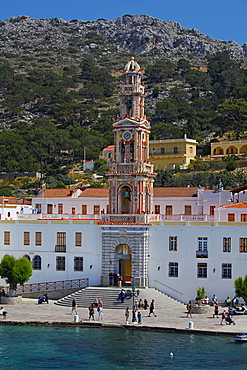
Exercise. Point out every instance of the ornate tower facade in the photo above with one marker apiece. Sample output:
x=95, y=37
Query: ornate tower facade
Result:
x=131, y=174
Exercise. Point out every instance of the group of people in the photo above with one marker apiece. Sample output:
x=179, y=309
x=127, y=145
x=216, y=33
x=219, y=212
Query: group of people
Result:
x=225, y=316
x=137, y=312
x=137, y=316
x=115, y=279
x=98, y=306
x=231, y=302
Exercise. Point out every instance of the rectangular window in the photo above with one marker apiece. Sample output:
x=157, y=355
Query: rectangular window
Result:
x=226, y=244
x=107, y=208
x=231, y=217
x=96, y=209
x=38, y=238
x=175, y=150
x=78, y=263
x=243, y=245
x=187, y=210
x=157, y=209
x=168, y=210
x=212, y=210
x=226, y=270
x=202, y=244
x=162, y=150
x=173, y=243
x=84, y=209
x=173, y=269
x=26, y=238
x=60, y=263
x=78, y=239
x=202, y=270
x=49, y=209
x=61, y=242
x=60, y=208
x=6, y=237
x=244, y=217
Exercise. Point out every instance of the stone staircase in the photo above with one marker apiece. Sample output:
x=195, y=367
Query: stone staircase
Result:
x=86, y=296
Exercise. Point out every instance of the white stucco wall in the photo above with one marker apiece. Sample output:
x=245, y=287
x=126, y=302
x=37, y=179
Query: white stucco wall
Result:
x=184, y=287
x=90, y=250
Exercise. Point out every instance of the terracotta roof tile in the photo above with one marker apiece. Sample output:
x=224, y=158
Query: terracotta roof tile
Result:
x=14, y=200
x=104, y=192
x=175, y=192
x=56, y=193
x=236, y=205
x=95, y=193
x=109, y=147
x=239, y=189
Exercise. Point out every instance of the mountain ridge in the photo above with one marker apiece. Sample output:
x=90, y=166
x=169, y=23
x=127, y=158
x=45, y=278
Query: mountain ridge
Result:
x=140, y=34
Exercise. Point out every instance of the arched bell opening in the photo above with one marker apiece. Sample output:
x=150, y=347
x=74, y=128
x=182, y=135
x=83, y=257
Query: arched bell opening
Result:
x=123, y=262
x=124, y=199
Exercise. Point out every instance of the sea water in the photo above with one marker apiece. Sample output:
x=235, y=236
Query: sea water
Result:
x=41, y=347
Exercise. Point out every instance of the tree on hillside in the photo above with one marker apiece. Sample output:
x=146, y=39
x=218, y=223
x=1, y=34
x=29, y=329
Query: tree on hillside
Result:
x=234, y=113
x=241, y=287
x=15, y=271
x=162, y=131
x=166, y=110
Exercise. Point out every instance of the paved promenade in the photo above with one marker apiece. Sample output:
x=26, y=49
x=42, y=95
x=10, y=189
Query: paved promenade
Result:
x=30, y=312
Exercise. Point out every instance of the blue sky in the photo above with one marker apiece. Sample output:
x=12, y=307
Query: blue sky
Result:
x=220, y=19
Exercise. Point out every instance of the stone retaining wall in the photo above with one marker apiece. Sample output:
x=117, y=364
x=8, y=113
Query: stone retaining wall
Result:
x=53, y=294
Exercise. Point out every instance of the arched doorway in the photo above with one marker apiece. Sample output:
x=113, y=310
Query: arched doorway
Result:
x=123, y=262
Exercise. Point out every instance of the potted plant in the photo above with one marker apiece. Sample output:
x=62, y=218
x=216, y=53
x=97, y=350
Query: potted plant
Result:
x=200, y=293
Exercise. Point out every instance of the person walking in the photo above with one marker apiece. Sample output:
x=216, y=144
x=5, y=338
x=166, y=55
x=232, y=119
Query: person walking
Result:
x=216, y=310
x=110, y=278
x=145, y=304
x=91, y=312
x=100, y=313
x=74, y=306
x=189, y=309
x=139, y=317
x=127, y=315
x=151, y=309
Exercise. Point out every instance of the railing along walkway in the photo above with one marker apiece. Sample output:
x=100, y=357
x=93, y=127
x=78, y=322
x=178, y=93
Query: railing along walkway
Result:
x=50, y=286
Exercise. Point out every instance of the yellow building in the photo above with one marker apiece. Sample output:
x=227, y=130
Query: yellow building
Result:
x=166, y=154
x=108, y=154
x=225, y=148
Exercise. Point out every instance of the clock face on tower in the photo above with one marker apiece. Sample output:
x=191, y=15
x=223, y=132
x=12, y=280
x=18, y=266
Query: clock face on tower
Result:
x=127, y=135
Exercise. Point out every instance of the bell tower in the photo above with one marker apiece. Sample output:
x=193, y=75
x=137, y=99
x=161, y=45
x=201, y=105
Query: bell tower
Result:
x=131, y=174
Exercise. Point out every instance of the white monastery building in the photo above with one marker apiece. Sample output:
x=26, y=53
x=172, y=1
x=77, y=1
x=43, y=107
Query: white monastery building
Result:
x=173, y=239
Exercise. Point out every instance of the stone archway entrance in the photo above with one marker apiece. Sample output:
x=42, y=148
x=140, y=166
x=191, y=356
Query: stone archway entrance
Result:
x=125, y=250
x=123, y=262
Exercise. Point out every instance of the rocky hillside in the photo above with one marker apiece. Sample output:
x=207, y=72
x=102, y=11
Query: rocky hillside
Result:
x=34, y=40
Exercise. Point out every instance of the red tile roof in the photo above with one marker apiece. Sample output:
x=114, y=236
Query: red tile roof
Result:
x=164, y=192
x=95, y=193
x=109, y=147
x=175, y=192
x=56, y=193
x=239, y=189
x=236, y=205
x=14, y=200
